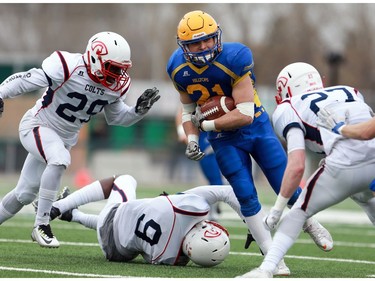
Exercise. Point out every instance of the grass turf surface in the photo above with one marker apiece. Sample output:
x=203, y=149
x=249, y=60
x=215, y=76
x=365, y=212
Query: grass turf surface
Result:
x=79, y=255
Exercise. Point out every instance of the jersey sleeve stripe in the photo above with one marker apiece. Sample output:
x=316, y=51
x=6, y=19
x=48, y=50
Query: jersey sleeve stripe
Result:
x=189, y=213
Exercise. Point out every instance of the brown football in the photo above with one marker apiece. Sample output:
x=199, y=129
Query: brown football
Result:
x=217, y=106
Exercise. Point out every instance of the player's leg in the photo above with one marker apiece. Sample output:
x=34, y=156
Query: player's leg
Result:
x=123, y=190
x=326, y=187
x=366, y=201
x=235, y=165
x=44, y=144
x=211, y=171
x=272, y=159
x=208, y=164
x=25, y=191
x=93, y=192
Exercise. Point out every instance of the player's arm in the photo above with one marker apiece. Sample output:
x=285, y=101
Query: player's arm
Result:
x=179, y=127
x=20, y=83
x=218, y=193
x=121, y=114
x=23, y=82
x=292, y=176
x=337, y=124
x=193, y=150
x=243, y=114
x=361, y=131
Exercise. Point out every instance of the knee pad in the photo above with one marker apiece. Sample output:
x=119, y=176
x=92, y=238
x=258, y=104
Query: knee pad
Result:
x=127, y=186
x=59, y=157
x=26, y=197
x=250, y=205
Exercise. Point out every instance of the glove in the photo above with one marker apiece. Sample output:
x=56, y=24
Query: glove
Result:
x=193, y=151
x=197, y=118
x=272, y=219
x=146, y=100
x=1, y=107
x=249, y=239
x=329, y=121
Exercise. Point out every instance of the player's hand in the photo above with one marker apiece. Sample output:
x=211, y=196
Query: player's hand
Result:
x=146, y=100
x=197, y=118
x=1, y=107
x=249, y=239
x=328, y=120
x=193, y=151
x=272, y=219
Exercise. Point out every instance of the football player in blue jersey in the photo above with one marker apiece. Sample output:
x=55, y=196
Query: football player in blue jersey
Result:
x=203, y=67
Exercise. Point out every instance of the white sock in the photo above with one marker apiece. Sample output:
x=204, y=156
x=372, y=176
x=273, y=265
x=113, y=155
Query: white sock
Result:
x=9, y=206
x=87, y=220
x=261, y=235
x=89, y=193
x=280, y=245
x=285, y=236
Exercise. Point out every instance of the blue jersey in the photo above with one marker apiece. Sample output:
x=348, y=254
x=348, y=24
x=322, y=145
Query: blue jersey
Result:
x=233, y=147
x=232, y=64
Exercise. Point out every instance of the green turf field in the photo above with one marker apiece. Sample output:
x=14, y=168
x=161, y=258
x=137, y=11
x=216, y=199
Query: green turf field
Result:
x=79, y=255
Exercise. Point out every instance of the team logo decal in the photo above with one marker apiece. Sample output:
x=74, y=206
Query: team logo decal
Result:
x=212, y=233
x=282, y=80
x=99, y=48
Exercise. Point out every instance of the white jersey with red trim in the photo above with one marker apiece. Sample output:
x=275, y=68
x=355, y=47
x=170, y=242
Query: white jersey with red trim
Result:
x=156, y=227
x=70, y=99
x=301, y=112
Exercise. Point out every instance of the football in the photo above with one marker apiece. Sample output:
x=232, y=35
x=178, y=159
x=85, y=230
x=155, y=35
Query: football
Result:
x=217, y=106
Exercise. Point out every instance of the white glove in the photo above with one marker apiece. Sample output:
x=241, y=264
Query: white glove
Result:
x=197, y=118
x=272, y=219
x=193, y=151
x=331, y=122
x=146, y=100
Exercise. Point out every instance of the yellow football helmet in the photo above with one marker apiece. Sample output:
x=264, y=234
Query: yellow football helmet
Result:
x=197, y=26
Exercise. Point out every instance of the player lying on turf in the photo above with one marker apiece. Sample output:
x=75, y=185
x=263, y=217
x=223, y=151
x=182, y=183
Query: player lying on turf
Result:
x=161, y=229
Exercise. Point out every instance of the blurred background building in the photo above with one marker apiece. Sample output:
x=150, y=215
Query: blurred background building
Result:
x=337, y=38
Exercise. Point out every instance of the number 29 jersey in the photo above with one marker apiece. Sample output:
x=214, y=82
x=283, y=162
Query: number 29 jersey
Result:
x=71, y=97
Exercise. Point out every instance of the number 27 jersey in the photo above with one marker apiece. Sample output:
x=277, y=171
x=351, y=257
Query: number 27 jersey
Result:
x=301, y=112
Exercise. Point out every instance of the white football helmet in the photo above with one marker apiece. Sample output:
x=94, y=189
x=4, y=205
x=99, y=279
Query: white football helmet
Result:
x=207, y=243
x=108, y=58
x=295, y=79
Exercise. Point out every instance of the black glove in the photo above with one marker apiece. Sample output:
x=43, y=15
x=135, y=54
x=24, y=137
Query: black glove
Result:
x=164, y=193
x=1, y=107
x=146, y=100
x=249, y=239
